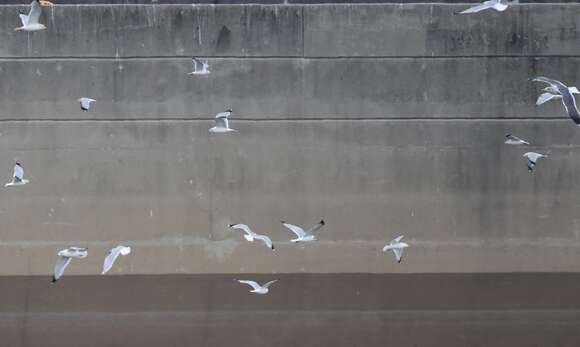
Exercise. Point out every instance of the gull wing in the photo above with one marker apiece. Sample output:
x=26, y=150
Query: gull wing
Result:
x=545, y=97
x=398, y=253
x=398, y=239
x=477, y=8
x=110, y=259
x=533, y=156
x=23, y=19
x=269, y=283
x=570, y=105
x=221, y=120
x=555, y=83
x=61, y=264
x=295, y=229
x=316, y=227
x=197, y=65
x=243, y=227
x=18, y=173
x=34, y=14
x=253, y=284
x=266, y=240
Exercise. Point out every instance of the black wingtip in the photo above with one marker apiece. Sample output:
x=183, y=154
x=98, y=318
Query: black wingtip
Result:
x=231, y=225
x=400, y=261
x=508, y=135
x=322, y=222
x=283, y=222
x=53, y=280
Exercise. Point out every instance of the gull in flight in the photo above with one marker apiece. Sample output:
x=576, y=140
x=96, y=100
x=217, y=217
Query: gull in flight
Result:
x=565, y=93
x=222, y=124
x=532, y=159
x=113, y=254
x=30, y=21
x=64, y=258
x=251, y=236
x=303, y=235
x=397, y=247
x=85, y=103
x=18, y=177
x=258, y=289
x=498, y=5
x=200, y=67
x=553, y=93
x=514, y=140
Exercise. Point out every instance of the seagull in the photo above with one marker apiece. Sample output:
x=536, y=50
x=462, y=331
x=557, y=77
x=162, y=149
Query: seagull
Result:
x=397, y=247
x=18, y=177
x=498, y=5
x=303, y=235
x=566, y=95
x=514, y=140
x=532, y=159
x=553, y=93
x=258, y=289
x=64, y=258
x=30, y=21
x=251, y=236
x=86, y=103
x=221, y=123
x=113, y=254
x=200, y=67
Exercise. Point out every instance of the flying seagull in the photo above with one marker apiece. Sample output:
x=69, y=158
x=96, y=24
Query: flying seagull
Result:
x=85, y=103
x=303, y=235
x=553, y=93
x=30, y=21
x=222, y=124
x=258, y=289
x=514, y=140
x=397, y=247
x=532, y=159
x=566, y=95
x=251, y=236
x=113, y=254
x=18, y=177
x=498, y=5
x=64, y=258
x=200, y=67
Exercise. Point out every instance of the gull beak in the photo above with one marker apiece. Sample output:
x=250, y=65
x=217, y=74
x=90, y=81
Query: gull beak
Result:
x=46, y=3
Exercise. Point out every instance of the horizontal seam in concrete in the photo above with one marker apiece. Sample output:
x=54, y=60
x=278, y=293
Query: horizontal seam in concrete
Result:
x=287, y=57
x=345, y=119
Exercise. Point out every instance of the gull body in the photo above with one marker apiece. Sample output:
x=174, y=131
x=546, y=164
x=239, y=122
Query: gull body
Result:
x=30, y=21
x=532, y=158
x=222, y=124
x=514, y=140
x=113, y=255
x=18, y=177
x=85, y=103
x=303, y=236
x=565, y=93
x=257, y=288
x=397, y=247
x=200, y=67
x=64, y=258
x=498, y=5
x=251, y=236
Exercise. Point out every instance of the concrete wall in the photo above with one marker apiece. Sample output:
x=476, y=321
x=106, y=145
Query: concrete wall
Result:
x=381, y=119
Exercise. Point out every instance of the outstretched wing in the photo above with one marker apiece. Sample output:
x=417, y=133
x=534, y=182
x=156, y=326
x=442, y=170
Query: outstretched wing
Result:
x=243, y=227
x=253, y=284
x=295, y=229
x=316, y=227
x=477, y=8
x=398, y=239
x=269, y=283
x=545, y=97
x=221, y=120
x=23, y=19
x=34, y=14
x=570, y=105
x=266, y=240
x=398, y=253
x=110, y=259
x=61, y=264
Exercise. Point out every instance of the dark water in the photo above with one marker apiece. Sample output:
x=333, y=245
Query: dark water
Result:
x=531, y=309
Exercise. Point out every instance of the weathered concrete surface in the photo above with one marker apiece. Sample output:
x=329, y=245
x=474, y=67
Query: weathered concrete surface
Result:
x=170, y=189
x=120, y=31
x=282, y=88
x=407, y=310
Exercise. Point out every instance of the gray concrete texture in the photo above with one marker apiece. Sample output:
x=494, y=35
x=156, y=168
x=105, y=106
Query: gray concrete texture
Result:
x=377, y=145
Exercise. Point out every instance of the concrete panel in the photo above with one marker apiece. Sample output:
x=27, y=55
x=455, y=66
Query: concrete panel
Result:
x=141, y=31
x=170, y=189
x=282, y=88
x=419, y=30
